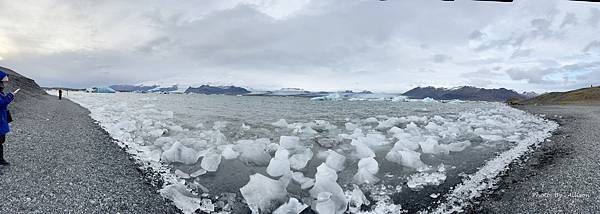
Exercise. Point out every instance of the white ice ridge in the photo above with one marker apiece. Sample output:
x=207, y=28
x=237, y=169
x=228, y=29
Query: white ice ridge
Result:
x=473, y=186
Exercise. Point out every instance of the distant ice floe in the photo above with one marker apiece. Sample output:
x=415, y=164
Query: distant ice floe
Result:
x=347, y=156
x=378, y=97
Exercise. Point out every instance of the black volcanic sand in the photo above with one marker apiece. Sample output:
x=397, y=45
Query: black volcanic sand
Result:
x=63, y=162
x=562, y=175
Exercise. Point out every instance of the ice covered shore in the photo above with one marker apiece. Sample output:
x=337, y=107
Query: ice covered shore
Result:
x=327, y=166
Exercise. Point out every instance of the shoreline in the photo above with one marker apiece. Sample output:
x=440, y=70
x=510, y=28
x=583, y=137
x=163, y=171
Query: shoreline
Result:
x=546, y=179
x=63, y=161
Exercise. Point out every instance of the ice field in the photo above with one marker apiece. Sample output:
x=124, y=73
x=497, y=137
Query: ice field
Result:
x=237, y=154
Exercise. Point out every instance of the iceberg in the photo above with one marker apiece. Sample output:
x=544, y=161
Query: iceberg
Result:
x=180, y=153
x=262, y=194
x=253, y=151
x=293, y=206
x=367, y=168
x=409, y=158
x=279, y=165
x=357, y=199
x=228, y=153
x=304, y=182
x=335, y=161
x=175, y=193
x=211, y=162
x=324, y=204
x=299, y=160
x=326, y=185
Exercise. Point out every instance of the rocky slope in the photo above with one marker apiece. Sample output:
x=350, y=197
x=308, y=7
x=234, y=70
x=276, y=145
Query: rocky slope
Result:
x=28, y=87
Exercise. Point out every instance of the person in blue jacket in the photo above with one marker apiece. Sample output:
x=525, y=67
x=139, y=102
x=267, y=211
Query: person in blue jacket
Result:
x=5, y=99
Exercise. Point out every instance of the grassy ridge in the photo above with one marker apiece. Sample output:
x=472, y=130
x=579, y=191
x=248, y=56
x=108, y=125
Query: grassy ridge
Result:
x=589, y=95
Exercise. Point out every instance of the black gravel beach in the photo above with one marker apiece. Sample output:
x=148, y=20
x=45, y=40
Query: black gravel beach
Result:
x=562, y=175
x=63, y=162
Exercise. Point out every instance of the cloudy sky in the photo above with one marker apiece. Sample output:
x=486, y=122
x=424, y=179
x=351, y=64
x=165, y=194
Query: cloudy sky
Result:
x=392, y=46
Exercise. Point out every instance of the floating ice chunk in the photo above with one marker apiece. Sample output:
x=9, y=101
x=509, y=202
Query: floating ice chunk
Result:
x=370, y=120
x=157, y=132
x=228, y=152
x=289, y=142
x=245, y=127
x=455, y=147
x=176, y=128
x=279, y=165
x=491, y=137
x=326, y=182
x=304, y=182
x=263, y=194
x=420, y=180
x=220, y=125
x=211, y=162
x=410, y=159
x=324, y=204
x=362, y=150
x=299, y=160
x=335, y=161
x=367, y=168
x=286, y=179
x=180, y=153
x=389, y=123
x=207, y=206
x=429, y=100
x=328, y=142
x=182, y=174
x=178, y=194
x=253, y=151
x=350, y=126
x=357, y=199
x=322, y=125
x=430, y=146
x=293, y=206
x=280, y=123
x=126, y=125
x=198, y=173
x=305, y=131
x=214, y=137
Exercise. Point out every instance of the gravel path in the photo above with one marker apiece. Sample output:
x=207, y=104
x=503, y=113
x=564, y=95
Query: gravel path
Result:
x=62, y=162
x=562, y=176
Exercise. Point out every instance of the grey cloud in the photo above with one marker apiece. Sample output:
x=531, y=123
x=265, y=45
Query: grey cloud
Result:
x=569, y=19
x=326, y=43
x=594, y=18
x=535, y=76
x=594, y=45
x=440, y=58
x=481, y=73
x=573, y=75
x=521, y=53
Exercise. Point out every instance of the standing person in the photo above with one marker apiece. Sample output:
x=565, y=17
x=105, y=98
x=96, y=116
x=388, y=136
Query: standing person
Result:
x=60, y=94
x=5, y=99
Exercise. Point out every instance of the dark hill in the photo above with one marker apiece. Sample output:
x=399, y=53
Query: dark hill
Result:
x=464, y=93
x=207, y=89
x=28, y=87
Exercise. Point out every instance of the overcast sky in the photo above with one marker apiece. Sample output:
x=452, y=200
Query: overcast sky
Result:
x=388, y=46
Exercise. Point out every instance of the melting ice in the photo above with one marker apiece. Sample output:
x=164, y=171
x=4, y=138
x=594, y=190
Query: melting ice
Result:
x=285, y=155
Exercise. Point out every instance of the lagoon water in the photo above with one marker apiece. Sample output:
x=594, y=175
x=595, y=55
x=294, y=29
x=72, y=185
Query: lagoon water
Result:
x=401, y=156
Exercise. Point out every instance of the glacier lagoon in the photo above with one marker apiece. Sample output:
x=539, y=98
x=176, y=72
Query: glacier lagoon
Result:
x=237, y=154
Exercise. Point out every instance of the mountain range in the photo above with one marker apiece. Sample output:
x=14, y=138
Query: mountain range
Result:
x=466, y=93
